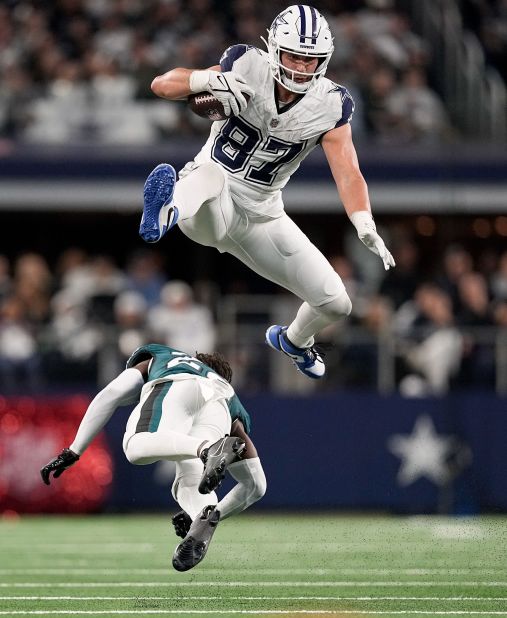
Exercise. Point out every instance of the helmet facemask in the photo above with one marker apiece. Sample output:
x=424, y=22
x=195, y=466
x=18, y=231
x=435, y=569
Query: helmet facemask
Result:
x=300, y=30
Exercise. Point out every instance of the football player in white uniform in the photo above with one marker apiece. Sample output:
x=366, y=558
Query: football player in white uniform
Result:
x=280, y=107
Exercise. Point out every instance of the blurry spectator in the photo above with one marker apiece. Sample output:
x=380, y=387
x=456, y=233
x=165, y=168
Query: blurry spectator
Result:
x=376, y=93
x=19, y=358
x=130, y=310
x=359, y=360
x=63, y=114
x=400, y=283
x=500, y=314
x=457, y=262
x=105, y=283
x=499, y=279
x=32, y=285
x=93, y=283
x=180, y=322
x=344, y=268
x=432, y=346
x=15, y=100
x=474, y=300
x=72, y=268
x=145, y=275
x=475, y=312
x=418, y=112
x=74, y=340
x=5, y=277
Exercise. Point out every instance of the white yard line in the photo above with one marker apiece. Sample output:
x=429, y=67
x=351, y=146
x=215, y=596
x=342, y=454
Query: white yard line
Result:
x=243, y=598
x=244, y=584
x=309, y=571
x=251, y=611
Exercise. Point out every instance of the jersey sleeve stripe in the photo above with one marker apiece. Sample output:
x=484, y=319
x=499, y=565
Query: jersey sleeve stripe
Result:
x=231, y=54
x=347, y=109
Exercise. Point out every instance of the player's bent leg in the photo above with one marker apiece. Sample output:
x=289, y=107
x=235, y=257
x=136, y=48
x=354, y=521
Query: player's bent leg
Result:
x=297, y=340
x=216, y=459
x=147, y=447
x=206, y=209
x=310, y=319
x=185, y=487
x=194, y=546
x=159, y=212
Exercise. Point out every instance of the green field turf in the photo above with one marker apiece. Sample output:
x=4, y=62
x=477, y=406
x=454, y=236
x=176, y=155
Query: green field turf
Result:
x=263, y=565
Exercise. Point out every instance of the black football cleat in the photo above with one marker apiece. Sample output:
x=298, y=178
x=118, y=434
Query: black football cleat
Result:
x=194, y=546
x=216, y=458
x=182, y=522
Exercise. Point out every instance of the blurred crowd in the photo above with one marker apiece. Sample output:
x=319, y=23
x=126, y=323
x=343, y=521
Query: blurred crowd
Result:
x=488, y=19
x=80, y=70
x=59, y=323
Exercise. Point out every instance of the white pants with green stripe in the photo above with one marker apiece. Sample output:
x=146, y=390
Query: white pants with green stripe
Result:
x=171, y=422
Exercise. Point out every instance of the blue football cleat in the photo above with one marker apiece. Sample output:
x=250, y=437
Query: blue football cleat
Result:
x=307, y=360
x=159, y=213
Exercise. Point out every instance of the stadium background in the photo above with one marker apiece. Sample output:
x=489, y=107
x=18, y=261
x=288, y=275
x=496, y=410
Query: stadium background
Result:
x=420, y=364
x=374, y=472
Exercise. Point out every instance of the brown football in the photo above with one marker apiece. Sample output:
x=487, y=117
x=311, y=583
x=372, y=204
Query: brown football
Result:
x=204, y=104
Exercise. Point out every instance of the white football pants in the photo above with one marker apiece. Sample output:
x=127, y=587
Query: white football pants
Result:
x=172, y=422
x=276, y=249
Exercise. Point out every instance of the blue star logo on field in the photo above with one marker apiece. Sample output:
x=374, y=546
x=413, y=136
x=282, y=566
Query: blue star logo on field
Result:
x=426, y=454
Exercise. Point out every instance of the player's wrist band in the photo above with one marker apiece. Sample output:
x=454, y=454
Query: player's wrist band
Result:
x=199, y=80
x=362, y=220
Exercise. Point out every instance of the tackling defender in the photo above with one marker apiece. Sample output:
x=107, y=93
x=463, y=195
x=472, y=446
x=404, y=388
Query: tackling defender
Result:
x=186, y=405
x=229, y=196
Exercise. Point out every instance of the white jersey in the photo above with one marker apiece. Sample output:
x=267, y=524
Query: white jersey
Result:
x=262, y=147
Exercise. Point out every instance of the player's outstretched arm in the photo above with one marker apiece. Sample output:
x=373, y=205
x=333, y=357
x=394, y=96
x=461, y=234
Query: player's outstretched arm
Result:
x=123, y=390
x=353, y=190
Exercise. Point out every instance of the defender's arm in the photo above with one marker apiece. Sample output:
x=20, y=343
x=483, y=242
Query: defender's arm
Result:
x=123, y=390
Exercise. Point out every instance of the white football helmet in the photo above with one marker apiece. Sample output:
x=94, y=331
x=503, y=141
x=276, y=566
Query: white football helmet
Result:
x=300, y=29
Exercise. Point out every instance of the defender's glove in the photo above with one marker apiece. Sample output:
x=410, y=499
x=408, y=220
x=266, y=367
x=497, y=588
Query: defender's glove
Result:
x=58, y=465
x=182, y=522
x=367, y=232
x=229, y=88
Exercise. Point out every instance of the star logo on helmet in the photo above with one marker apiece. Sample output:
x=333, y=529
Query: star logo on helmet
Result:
x=279, y=21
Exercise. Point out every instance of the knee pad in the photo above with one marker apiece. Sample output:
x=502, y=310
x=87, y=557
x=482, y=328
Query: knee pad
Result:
x=338, y=306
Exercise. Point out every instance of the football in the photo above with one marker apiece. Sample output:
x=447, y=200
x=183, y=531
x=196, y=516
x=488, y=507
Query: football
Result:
x=204, y=104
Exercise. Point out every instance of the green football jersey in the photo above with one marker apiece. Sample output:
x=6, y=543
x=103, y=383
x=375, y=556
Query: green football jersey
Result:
x=167, y=362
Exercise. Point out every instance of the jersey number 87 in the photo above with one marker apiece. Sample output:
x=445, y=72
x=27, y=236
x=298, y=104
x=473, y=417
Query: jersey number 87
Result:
x=238, y=141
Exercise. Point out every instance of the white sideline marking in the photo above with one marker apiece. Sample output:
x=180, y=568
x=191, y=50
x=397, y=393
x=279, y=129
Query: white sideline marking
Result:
x=251, y=611
x=244, y=584
x=243, y=598
x=309, y=571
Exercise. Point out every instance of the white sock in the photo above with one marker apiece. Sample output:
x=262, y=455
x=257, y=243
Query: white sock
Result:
x=188, y=497
x=250, y=488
